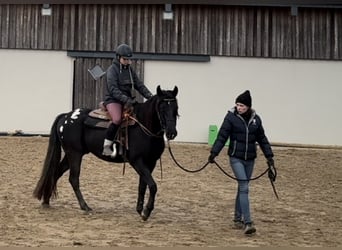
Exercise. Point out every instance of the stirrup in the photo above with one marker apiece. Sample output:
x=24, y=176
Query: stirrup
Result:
x=113, y=154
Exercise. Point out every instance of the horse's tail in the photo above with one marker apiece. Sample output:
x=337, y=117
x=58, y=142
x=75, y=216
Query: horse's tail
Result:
x=47, y=184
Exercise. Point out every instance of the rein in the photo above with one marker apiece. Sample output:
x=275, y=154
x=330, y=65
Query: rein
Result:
x=223, y=171
x=146, y=130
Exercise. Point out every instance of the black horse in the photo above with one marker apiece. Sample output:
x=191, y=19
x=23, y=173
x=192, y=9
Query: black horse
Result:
x=154, y=118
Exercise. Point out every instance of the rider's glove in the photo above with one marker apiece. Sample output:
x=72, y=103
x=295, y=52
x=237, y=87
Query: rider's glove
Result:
x=131, y=102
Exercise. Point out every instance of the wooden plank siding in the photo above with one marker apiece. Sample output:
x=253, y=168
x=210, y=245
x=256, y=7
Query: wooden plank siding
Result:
x=315, y=33
x=87, y=92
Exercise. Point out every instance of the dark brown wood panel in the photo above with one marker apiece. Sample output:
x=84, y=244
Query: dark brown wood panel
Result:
x=88, y=93
x=218, y=30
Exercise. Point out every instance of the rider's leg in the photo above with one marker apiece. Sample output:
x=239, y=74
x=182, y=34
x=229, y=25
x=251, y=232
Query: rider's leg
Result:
x=109, y=139
x=115, y=111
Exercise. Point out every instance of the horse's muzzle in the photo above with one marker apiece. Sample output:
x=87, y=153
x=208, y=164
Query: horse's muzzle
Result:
x=170, y=135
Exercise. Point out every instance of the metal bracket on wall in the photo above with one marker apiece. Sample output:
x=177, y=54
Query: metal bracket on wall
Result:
x=96, y=72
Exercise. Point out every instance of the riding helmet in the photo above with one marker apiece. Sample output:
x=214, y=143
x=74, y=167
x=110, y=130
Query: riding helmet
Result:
x=123, y=50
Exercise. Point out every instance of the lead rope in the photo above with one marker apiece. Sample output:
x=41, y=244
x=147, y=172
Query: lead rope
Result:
x=161, y=169
x=225, y=173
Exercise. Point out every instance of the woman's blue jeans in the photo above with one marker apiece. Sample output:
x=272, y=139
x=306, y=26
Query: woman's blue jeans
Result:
x=243, y=171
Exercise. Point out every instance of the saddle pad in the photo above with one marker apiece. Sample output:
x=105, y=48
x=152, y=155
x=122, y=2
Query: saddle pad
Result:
x=100, y=114
x=96, y=122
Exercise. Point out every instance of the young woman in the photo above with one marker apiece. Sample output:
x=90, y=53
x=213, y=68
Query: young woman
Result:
x=244, y=128
x=121, y=81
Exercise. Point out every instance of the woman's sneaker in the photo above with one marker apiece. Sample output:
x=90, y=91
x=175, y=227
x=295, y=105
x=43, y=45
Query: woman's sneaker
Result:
x=249, y=229
x=238, y=224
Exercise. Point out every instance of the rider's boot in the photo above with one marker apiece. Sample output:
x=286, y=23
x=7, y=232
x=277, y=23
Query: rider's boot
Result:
x=109, y=148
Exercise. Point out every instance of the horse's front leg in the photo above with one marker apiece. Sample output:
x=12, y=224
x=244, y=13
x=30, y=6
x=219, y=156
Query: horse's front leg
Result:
x=150, y=204
x=145, y=179
x=141, y=195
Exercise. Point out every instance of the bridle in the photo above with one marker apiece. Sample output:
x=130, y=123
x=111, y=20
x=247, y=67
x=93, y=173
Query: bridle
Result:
x=148, y=132
x=160, y=117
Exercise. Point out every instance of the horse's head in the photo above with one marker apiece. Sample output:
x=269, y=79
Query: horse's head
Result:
x=168, y=111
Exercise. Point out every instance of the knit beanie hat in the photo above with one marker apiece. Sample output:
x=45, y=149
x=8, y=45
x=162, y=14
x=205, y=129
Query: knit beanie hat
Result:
x=245, y=98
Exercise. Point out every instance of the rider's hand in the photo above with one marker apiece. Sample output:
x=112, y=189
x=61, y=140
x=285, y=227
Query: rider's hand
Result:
x=131, y=102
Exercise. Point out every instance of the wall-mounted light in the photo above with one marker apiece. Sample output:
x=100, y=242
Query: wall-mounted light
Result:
x=294, y=10
x=46, y=10
x=168, y=13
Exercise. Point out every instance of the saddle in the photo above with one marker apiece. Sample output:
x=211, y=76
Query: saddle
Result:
x=100, y=118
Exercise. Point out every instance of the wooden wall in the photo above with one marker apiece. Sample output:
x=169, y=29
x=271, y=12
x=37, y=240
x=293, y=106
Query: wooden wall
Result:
x=269, y=32
x=88, y=93
x=196, y=29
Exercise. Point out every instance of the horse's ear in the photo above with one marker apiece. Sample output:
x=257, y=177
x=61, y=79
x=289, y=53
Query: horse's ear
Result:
x=175, y=91
x=159, y=91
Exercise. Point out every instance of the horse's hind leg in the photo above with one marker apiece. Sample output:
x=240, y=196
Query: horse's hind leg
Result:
x=75, y=160
x=63, y=166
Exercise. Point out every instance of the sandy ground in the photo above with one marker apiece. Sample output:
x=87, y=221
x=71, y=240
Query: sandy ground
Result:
x=190, y=210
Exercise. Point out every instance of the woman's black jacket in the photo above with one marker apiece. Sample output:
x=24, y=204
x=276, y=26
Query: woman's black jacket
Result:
x=242, y=136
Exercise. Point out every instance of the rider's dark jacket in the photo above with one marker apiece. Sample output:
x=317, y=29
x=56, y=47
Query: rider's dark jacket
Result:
x=243, y=136
x=121, y=80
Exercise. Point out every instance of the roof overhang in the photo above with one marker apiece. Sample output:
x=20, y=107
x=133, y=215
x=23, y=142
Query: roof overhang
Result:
x=278, y=3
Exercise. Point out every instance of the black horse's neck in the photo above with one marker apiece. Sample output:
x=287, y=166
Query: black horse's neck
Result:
x=147, y=114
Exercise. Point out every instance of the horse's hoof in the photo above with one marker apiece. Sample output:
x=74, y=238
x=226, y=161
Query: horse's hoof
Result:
x=145, y=214
x=45, y=205
x=87, y=210
x=144, y=217
x=85, y=207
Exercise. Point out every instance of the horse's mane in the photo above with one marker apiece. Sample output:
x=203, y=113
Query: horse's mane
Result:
x=146, y=111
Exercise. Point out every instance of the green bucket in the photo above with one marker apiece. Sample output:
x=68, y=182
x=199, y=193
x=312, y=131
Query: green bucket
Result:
x=213, y=131
x=212, y=134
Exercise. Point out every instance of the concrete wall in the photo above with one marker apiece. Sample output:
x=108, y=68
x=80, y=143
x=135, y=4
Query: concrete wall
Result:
x=298, y=100
x=35, y=86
